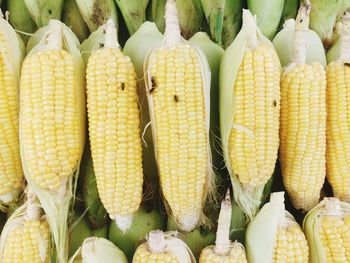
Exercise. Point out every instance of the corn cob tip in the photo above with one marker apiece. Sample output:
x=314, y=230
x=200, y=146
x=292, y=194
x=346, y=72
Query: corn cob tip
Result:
x=188, y=222
x=172, y=28
x=111, y=40
x=123, y=222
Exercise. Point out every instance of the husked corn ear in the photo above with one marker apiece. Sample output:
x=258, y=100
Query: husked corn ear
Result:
x=26, y=235
x=180, y=124
x=327, y=228
x=253, y=141
x=114, y=129
x=335, y=237
x=144, y=255
x=236, y=255
x=50, y=124
x=338, y=129
x=290, y=245
x=28, y=243
x=303, y=133
x=11, y=176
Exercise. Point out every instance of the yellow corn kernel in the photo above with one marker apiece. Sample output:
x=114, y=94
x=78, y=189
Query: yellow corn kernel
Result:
x=28, y=242
x=254, y=140
x=114, y=130
x=181, y=137
x=50, y=118
x=11, y=176
x=303, y=133
x=290, y=245
x=338, y=129
x=235, y=255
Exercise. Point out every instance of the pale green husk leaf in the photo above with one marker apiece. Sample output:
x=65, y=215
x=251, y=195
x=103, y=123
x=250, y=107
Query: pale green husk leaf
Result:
x=96, y=12
x=262, y=230
x=72, y=18
x=56, y=204
x=98, y=250
x=290, y=10
x=284, y=45
x=134, y=13
x=149, y=36
x=312, y=224
x=20, y=18
x=268, y=15
x=230, y=62
x=213, y=53
x=42, y=11
x=190, y=16
x=92, y=43
x=224, y=18
x=323, y=16
x=155, y=13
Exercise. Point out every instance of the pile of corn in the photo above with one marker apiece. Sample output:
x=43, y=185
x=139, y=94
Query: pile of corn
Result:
x=175, y=131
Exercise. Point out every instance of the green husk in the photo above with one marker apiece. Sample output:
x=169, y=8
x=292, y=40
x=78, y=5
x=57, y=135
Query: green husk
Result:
x=98, y=250
x=290, y=10
x=78, y=231
x=262, y=230
x=145, y=220
x=213, y=53
x=133, y=12
x=323, y=16
x=224, y=18
x=190, y=16
x=56, y=204
x=149, y=36
x=13, y=54
x=96, y=12
x=155, y=13
x=312, y=223
x=248, y=200
x=268, y=15
x=284, y=45
x=197, y=239
x=72, y=18
x=20, y=18
x=42, y=11
x=96, y=213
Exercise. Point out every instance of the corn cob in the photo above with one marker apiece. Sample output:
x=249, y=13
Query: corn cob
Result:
x=303, y=123
x=114, y=125
x=98, y=250
x=249, y=113
x=338, y=117
x=275, y=236
x=163, y=247
x=26, y=236
x=327, y=228
x=11, y=56
x=224, y=250
x=178, y=91
x=52, y=124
